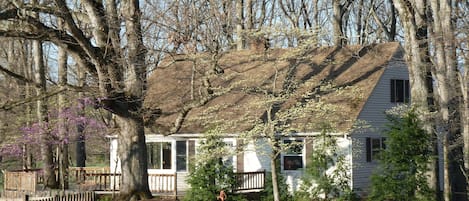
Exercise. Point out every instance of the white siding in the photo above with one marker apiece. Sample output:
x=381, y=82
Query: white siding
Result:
x=256, y=158
x=373, y=113
x=114, y=162
x=182, y=184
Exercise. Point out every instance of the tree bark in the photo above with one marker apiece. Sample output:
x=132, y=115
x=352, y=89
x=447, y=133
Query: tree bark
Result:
x=339, y=10
x=80, y=145
x=50, y=180
x=413, y=19
x=445, y=73
x=63, y=146
x=465, y=118
x=239, y=24
x=132, y=147
x=132, y=153
x=273, y=167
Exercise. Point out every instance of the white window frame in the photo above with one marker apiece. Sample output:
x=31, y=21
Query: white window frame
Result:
x=374, y=151
x=176, y=154
x=284, y=153
x=173, y=156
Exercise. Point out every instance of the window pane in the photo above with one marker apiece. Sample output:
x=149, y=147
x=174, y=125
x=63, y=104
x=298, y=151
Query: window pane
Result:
x=181, y=147
x=181, y=163
x=393, y=91
x=375, y=143
x=228, y=158
x=407, y=91
x=400, y=91
x=181, y=155
x=296, y=146
x=292, y=162
x=166, y=148
x=154, y=155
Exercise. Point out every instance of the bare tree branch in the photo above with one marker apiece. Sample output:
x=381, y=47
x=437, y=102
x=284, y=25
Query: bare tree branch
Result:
x=17, y=76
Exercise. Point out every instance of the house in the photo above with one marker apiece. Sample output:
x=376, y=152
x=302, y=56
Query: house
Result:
x=349, y=88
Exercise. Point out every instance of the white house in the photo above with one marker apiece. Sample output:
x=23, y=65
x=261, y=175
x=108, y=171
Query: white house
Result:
x=356, y=83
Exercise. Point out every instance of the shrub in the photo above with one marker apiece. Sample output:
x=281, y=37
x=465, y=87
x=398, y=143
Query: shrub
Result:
x=403, y=164
x=327, y=176
x=209, y=175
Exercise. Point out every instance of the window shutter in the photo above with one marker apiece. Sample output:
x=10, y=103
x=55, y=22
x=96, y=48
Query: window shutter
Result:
x=407, y=91
x=191, y=147
x=368, y=149
x=393, y=91
x=309, y=150
x=240, y=156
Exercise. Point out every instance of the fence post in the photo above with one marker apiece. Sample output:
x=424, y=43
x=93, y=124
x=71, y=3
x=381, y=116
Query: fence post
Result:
x=26, y=197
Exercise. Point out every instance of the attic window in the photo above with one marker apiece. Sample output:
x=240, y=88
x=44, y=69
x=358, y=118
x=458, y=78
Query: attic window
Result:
x=400, y=91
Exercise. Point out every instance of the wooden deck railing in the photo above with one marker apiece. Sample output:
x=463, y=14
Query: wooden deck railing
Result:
x=78, y=174
x=100, y=179
x=23, y=180
x=158, y=183
x=250, y=180
x=162, y=183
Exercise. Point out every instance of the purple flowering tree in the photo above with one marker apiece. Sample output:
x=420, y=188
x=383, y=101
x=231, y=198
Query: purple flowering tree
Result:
x=64, y=127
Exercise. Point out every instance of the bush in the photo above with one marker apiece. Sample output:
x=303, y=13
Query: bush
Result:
x=268, y=193
x=209, y=175
x=403, y=164
x=327, y=175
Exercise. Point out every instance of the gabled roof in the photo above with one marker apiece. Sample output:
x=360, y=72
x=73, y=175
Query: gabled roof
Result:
x=341, y=78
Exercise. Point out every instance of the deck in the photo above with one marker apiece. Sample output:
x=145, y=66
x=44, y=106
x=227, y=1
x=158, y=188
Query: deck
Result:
x=100, y=180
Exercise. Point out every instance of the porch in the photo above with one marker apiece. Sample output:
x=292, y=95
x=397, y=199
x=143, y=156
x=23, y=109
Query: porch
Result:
x=101, y=181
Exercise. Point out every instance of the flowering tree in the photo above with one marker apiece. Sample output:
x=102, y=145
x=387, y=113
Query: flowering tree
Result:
x=68, y=119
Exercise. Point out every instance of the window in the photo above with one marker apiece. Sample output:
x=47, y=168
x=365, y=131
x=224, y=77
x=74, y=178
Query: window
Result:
x=229, y=159
x=373, y=147
x=400, y=91
x=159, y=155
x=293, y=157
x=181, y=155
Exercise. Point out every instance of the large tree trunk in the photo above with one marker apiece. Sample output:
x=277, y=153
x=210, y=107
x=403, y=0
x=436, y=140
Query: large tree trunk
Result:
x=465, y=119
x=80, y=145
x=63, y=146
x=27, y=72
x=445, y=72
x=413, y=19
x=132, y=147
x=46, y=146
x=132, y=153
x=50, y=180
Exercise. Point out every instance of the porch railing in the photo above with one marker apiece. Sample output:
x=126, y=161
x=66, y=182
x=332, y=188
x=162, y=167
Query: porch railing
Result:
x=158, y=183
x=250, y=180
x=22, y=180
x=100, y=179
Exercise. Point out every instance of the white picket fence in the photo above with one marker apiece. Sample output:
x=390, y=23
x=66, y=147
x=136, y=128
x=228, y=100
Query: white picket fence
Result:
x=58, y=196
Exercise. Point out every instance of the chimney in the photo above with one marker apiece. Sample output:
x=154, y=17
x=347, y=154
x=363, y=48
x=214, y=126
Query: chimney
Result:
x=259, y=43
